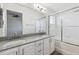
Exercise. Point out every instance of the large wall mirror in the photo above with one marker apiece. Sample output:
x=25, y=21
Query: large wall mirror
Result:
x=1, y=18
x=1, y=22
x=14, y=23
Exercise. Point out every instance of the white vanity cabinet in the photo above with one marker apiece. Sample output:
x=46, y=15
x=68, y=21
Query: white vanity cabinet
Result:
x=46, y=46
x=13, y=51
x=28, y=49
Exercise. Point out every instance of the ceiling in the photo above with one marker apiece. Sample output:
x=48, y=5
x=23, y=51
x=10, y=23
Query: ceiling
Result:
x=53, y=7
x=56, y=7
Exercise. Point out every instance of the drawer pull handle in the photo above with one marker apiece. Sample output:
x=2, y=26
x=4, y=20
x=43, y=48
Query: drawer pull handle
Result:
x=39, y=50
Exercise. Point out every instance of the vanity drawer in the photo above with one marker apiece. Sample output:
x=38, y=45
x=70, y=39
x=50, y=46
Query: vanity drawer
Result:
x=39, y=43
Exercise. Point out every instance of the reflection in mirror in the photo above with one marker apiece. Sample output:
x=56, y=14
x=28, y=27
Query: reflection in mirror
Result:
x=14, y=23
x=1, y=22
x=1, y=18
x=41, y=25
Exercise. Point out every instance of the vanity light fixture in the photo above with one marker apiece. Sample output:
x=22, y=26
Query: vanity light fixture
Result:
x=40, y=8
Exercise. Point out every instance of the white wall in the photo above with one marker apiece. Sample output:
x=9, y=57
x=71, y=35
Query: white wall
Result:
x=29, y=15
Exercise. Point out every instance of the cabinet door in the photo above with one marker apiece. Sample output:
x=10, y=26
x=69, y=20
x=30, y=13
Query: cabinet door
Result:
x=39, y=48
x=28, y=49
x=52, y=44
x=13, y=51
x=46, y=46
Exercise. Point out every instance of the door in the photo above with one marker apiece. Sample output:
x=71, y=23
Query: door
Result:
x=13, y=51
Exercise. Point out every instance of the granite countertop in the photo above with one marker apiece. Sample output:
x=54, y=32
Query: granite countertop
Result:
x=6, y=44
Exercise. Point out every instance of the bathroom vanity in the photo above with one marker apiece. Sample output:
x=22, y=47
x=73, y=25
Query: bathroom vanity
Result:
x=35, y=41
x=35, y=45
